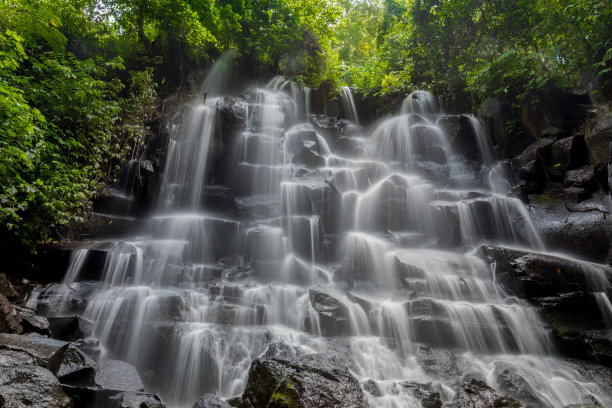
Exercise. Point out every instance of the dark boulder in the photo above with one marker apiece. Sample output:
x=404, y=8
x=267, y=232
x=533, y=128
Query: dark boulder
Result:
x=70, y=328
x=477, y=394
x=312, y=380
x=332, y=313
x=135, y=399
x=438, y=363
x=15, y=319
x=116, y=375
x=513, y=384
x=598, y=138
x=582, y=232
x=46, y=352
x=531, y=275
x=211, y=401
x=31, y=386
x=75, y=367
x=568, y=153
x=6, y=287
x=371, y=387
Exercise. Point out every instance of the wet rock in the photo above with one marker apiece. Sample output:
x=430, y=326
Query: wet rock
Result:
x=211, y=401
x=9, y=320
x=513, y=384
x=431, y=400
x=281, y=351
x=70, y=328
x=258, y=206
x=12, y=358
x=118, y=375
x=477, y=394
x=582, y=234
x=89, y=346
x=234, y=401
x=531, y=162
x=583, y=177
x=15, y=319
x=312, y=380
x=332, y=313
x=371, y=387
x=598, y=138
x=45, y=352
x=31, y=386
x=568, y=153
x=6, y=288
x=75, y=367
x=438, y=363
x=532, y=275
x=134, y=399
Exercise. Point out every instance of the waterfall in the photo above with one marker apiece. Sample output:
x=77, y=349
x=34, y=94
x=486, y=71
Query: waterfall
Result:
x=349, y=104
x=387, y=229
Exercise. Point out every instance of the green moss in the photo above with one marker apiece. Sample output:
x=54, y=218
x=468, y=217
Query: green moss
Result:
x=284, y=396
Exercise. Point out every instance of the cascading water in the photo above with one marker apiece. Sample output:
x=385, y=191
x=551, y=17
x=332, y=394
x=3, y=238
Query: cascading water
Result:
x=387, y=228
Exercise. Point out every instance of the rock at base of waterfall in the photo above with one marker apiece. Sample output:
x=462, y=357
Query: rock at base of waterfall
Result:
x=532, y=275
x=6, y=288
x=211, y=401
x=477, y=394
x=135, y=399
x=118, y=375
x=31, y=386
x=15, y=319
x=75, y=367
x=12, y=358
x=513, y=384
x=332, y=314
x=70, y=328
x=438, y=363
x=45, y=352
x=308, y=381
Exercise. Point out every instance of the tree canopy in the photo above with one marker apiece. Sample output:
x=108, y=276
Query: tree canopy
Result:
x=80, y=79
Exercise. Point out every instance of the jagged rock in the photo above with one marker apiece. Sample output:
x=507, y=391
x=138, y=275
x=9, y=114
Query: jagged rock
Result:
x=568, y=153
x=211, y=401
x=371, y=387
x=332, y=313
x=46, y=352
x=583, y=177
x=513, y=384
x=582, y=234
x=312, y=380
x=477, y=394
x=6, y=288
x=89, y=346
x=70, y=328
x=530, y=162
x=118, y=375
x=438, y=363
x=12, y=358
x=134, y=399
x=533, y=275
x=235, y=401
x=75, y=366
x=598, y=138
x=15, y=319
x=31, y=386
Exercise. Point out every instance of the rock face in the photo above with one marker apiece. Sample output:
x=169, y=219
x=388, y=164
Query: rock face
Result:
x=211, y=401
x=15, y=319
x=533, y=275
x=310, y=381
x=31, y=386
x=332, y=313
x=115, y=375
x=134, y=399
x=70, y=328
x=477, y=394
x=45, y=352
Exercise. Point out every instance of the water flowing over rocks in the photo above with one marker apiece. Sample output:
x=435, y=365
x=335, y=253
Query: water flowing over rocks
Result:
x=291, y=259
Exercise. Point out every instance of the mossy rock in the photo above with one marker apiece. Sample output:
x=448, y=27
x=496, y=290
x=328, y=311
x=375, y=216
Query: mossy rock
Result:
x=284, y=396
